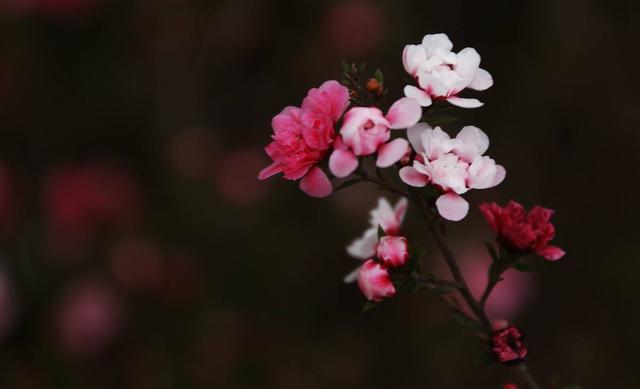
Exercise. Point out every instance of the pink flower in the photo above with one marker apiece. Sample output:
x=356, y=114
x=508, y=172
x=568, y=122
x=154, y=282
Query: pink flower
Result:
x=302, y=137
x=522, y=231
x=374, y=281
x=508, y=345
x=441, y=73
x=393, y=251
x=88, y=317
x=452, y=165
x=79, y=200
x=365, y=131
x=385, y=217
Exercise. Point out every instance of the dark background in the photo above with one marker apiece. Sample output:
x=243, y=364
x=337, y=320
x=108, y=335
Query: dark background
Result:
x=192, y=273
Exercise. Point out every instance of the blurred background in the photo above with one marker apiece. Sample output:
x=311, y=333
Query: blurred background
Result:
x=138, y=249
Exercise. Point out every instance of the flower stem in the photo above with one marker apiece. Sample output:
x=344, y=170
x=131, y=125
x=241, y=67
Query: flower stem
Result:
x=527, y=377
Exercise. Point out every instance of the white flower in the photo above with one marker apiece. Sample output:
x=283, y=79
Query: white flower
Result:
x=441, y=73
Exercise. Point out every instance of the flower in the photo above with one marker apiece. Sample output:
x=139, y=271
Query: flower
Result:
x=441, y=73
x=453, y=165
x=365, y=131
x=302, y=137
x=522, y=231
x=393, y=251
x=385, y=217
x=374, y=281
x=508, y=345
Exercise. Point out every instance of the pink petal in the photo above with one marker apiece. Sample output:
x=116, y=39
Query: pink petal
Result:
x=392, y=152
x=452, y=206
x=481, y=81
x=269, y=171
x=501, y=173
x=404, y=113
x=316, y=183
x=551, y=253
x=411, y=176
x=418, y=95
x=465, y=103
x=342, y=162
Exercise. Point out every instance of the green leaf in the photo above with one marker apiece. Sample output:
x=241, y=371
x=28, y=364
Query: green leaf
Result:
x=362, y=67
x=378, y=75
x=486, y=358
x=369, y=305
x=346, y=68
x=347, y=183
x=381, y=232
x=523, y=266
x=440, y=120
x=492, y=252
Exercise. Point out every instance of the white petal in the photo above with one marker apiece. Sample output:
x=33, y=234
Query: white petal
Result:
x=365, y=246
x=452, y=206
x=465, y=103
x=418, y=95
x=433, y=42
x=481, y=81
x=470, y=143
x=414, y=133
x=352, y=275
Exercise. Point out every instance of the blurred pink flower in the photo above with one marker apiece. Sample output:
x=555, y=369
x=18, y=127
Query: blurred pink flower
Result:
x=302, y=137
x=508, y=298
x=79, y=200
x=88, y=316
x=137, y=264
x=356, y=27
x=235, y=177
x=508, y=345
x=525, y=232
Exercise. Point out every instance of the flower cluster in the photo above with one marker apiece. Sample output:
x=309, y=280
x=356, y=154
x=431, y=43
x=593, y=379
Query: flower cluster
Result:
x=441, y=74
x=452, y=165
x=426, y=166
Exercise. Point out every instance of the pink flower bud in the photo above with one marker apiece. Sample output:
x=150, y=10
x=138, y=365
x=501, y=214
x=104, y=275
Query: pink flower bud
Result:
x=508, y=345
x=393, y=250
x=374, y=281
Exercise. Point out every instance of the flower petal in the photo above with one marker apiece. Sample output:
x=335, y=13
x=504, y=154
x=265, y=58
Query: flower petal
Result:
x=465, y=103
x=452, y=206
x=352, y=275
x=551, y=253
x=365, y=246
x=392, y=152
x=418, y=95
x=404, y=113
x=470, y=143
x=501, y=173
x=269, y=171
x=342, y=162
x=481, y=81
x=414, y=133
x=411, y=176
x=316, y=183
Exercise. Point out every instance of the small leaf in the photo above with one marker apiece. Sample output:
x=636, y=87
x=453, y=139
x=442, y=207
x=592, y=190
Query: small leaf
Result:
x=346, y=67
x=492, y=252
x=486, y=358
x=347, y=183
x=523, y=266
x=369, y=305
x=378, y=75
x=381, y=232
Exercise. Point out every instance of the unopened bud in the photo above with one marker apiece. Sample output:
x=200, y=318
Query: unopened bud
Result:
x=374, y=87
